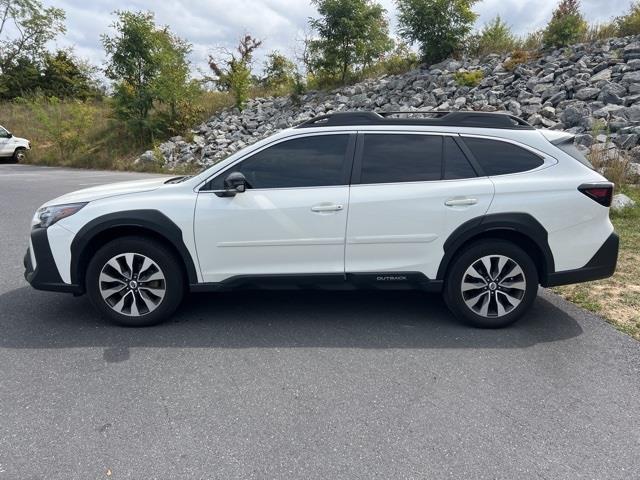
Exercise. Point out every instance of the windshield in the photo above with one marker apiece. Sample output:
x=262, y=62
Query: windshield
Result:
x=568, y=147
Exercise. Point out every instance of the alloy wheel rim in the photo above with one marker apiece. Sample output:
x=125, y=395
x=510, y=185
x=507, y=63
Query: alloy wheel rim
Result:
x=493, y=286
x=132, y=284
x=20, y=156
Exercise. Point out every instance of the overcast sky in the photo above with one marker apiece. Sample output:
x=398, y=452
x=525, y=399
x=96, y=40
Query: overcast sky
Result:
x=219, y=23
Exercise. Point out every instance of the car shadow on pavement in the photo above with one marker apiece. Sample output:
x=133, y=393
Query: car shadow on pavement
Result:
x=273, y=319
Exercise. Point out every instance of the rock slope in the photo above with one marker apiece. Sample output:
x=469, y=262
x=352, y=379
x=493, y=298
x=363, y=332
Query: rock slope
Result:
x=592, y=90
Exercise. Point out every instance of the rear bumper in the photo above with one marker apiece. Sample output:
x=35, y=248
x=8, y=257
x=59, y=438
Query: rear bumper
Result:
x=602, y=265
x=45, y=275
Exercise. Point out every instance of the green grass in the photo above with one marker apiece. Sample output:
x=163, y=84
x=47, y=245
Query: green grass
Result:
x=617, y=299
x=105, y=143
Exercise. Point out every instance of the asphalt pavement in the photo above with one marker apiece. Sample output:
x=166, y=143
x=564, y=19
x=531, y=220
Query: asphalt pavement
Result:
x=301, y=385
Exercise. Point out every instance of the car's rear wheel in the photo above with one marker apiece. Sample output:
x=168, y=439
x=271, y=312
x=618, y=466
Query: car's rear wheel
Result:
x=135, y=282
x=491, y=284
x=19, y=155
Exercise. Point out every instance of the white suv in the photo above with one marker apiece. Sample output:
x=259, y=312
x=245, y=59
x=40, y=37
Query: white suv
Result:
x=479, y=206
x=13, y=147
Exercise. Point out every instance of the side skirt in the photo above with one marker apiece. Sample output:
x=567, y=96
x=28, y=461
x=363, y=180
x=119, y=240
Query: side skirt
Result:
x=330, y=281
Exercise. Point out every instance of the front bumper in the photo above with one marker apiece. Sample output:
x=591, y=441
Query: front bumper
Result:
x=45, y=275
x=602, y=265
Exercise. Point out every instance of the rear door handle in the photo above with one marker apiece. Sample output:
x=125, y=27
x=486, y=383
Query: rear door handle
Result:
x=461, y=202
x=327, y=208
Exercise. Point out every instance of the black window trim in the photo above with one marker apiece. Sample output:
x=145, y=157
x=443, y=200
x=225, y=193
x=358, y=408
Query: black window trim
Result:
x=547, y=160
x=475, y=165
x=205, y=187
x=356, y=178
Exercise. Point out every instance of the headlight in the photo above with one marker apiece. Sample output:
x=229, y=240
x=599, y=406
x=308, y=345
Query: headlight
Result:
x=47, y=216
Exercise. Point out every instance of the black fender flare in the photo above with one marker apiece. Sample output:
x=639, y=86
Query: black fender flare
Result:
x=520, y=223
x=150, y=220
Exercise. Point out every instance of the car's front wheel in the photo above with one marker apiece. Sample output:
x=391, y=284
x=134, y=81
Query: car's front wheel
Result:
x=491, y=284
x=135, y=282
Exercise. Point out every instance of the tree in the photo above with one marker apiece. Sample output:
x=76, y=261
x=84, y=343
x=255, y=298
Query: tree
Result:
x=567, y=25
x=65, y=76
x=439, y=26
x=147, y=64
x=234, y=73
x=133, y=64
x=352, y=34
x=172, y=85
x=495, y=37
x=25, y=28
x=59, y=74
x=279, y=72
x=629, y=24
x=19, y=79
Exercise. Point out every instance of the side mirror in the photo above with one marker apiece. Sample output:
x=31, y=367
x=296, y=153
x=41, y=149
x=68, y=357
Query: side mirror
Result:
x=235, y=183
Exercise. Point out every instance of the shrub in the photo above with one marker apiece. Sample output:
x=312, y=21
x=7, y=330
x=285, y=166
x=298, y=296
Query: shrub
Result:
x=567, y=25
x=469, y=79
x=518, y=57
x=533, y=41
x=495, y=37
x=64, y=126
x=440, y=27
x=629, y=24
x=299, y=88
x=614, y=166
x=234, y=75
x=400, y=61
x=179, y=117
x=600, y=31
x=279, y=74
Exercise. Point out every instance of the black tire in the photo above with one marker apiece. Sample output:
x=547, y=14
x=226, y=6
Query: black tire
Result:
x=502, y=307
x=139, y=298
x=19, y=155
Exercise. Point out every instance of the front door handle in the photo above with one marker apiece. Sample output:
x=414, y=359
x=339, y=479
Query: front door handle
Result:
x=327, y=208
x=461, y=202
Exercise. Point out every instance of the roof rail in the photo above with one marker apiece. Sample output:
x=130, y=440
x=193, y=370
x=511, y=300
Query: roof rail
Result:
x=421, y=117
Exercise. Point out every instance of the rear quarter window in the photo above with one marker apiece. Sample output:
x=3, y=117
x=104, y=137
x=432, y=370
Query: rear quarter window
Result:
x=570, y=149
x=502, y=158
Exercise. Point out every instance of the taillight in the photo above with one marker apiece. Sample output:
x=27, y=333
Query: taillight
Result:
x=599, y=192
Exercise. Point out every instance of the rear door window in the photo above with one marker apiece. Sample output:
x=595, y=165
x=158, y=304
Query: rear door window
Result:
x=502, y=158
x=391, y=158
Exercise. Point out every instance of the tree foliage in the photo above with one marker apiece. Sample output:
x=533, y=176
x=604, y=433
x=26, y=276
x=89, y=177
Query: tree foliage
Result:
x=26, y=67
x=495, y=37
x=279, y=73
x=233, y=74
x=172, y=87
x=351, y=36
x=59, y=74
x=25, y=28
x=440, y=27
x=629, y=24
x=133, y=65
x=567, y=25
x=148, y=66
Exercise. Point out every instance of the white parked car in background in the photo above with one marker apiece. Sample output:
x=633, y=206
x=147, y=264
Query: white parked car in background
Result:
x=13, y=147
x=479, y=206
